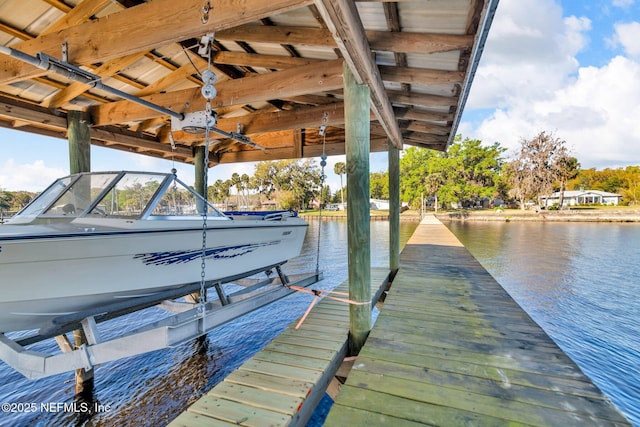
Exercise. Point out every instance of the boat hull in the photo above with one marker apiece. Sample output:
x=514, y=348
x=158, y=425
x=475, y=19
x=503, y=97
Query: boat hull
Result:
x=47, y=276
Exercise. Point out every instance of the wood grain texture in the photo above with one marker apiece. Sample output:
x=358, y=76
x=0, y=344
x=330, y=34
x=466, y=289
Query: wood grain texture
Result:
x=451, y=348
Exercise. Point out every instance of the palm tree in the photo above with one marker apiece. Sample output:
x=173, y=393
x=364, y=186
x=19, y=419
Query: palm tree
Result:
x=237, y=183
x=340, y=169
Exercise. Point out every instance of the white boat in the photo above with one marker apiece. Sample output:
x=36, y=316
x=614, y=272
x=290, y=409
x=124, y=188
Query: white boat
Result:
x=96, y=242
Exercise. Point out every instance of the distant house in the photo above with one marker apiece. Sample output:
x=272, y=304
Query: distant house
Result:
x=383, y=205
x=380, y=205
x=582, y=197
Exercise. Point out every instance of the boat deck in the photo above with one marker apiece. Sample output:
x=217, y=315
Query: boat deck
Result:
x=452, y=348
x=282, y=384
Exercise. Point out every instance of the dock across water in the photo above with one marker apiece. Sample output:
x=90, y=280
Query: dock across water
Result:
x=449, y=348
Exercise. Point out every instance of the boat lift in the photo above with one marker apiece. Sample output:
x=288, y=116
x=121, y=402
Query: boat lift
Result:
x=189, y=320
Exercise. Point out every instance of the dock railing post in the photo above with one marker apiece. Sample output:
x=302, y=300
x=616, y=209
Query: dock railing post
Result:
x=79, y=136
x=394, y=209
x=357, y=140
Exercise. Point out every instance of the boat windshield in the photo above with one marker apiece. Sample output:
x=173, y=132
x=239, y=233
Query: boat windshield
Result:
x=181, y=201
x=78, y=197
x=138, y=195
x=129, y=197
x=116, y=194
x=43, y=201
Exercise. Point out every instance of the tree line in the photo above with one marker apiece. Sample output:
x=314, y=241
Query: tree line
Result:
x=468, y=174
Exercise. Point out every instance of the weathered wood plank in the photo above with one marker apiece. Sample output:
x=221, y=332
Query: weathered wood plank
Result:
x=359, y=417
x=255, y=397
x=284, y=386
x=411, y=410
x=302, y=351
x=518, y=365
x=293, y=370
x=499, y=406
x=343, y=19
x=262, y=87
x=289, y=359
x=190, y=419
x=501, y=386
x=451, y=348
x=331, y=335
x=313, y=342
x=278, y=369
x=139, y=28
x=234, y=412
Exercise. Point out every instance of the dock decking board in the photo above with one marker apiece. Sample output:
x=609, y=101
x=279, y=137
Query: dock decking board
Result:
x=282, y=384
x=451, y=348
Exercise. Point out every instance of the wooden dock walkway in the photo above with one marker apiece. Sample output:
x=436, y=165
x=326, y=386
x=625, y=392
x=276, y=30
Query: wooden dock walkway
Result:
x=451, y=348
x=282, y=384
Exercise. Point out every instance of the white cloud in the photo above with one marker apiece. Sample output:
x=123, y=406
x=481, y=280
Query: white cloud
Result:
x=530, y=51
x=530, y=80
x=596, y=115
x=628, y=36
x=622, y=3
x=28, y=176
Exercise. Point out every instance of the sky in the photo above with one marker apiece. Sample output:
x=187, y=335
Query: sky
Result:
x=570, y=67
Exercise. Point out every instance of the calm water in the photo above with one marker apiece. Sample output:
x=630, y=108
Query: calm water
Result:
x=152, y=389
x=581, y=283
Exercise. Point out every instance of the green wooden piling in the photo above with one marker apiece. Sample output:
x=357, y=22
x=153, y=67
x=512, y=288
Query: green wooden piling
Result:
x=79, y=137
x=200, y=185
x=198, y=162
x=79, y=141
x=357, y=140
x=394, y=208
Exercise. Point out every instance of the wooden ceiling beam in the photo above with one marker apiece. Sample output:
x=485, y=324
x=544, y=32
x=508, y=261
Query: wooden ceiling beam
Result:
x=421, y=115
x=287, y=83
x=423, y=100
x=142, y=28
x=35, y=116
x=78, y=15
x=420, y=76
x=264, y=61
x=59, y=5
x=76, y=89
x=428, y=129
x=406, y=42
x=422, y=43
x=342, y=18
x=44, y=121
x=15, y=32
x=259, y=123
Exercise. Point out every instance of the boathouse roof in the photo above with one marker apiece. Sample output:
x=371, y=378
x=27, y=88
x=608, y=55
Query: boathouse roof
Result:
x=279, y=65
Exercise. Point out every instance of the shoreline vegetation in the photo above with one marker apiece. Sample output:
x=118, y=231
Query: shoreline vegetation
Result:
x=597, y=214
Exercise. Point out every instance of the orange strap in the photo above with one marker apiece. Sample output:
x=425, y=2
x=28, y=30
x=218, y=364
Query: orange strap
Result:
x=317, y=293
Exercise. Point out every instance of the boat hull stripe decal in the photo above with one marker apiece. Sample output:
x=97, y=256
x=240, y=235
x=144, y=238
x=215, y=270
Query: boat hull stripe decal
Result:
x=180, y=257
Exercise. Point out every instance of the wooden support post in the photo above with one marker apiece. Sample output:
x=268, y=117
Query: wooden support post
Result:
x=79, y=141
x=200, y=185
x=198, y=162
x=79, y=137
x=394, y=209
x=84, y=377
x=357, y=140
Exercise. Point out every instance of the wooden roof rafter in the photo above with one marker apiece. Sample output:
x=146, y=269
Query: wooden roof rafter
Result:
x=341, y=16
x=279, y=64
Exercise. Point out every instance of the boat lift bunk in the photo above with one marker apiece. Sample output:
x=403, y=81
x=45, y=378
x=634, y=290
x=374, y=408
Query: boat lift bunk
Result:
x=189, y=320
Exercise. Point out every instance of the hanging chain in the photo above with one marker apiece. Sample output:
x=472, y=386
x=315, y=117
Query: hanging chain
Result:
x=323, y=163
x=208, y=92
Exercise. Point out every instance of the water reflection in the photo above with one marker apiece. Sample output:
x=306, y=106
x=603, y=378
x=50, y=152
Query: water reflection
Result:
x=580, y=282
x=153, y=388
